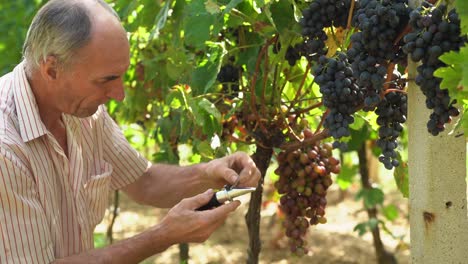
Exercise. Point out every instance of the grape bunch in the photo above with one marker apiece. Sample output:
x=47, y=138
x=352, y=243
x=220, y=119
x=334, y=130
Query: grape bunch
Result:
x=372, y=48
x=228, y=76
x=293, y=54
x=319, y=15
x=304, y=177
x=341, y=95
x=391, y=111
x=434, y=32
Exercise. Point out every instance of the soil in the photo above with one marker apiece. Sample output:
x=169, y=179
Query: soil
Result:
x=333, y=242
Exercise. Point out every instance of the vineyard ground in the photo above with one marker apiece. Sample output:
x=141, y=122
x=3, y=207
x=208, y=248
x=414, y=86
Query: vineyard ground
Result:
x=333, y=242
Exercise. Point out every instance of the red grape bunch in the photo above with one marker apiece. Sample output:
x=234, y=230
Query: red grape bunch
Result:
x=304, y=177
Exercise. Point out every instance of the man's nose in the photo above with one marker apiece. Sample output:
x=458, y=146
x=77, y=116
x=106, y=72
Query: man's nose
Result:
x=117, y=92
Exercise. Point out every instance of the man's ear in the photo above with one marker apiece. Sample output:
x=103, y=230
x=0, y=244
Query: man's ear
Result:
x=49, y=68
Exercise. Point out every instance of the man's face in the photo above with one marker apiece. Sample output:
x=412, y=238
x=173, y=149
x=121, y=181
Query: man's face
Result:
x=95, y=75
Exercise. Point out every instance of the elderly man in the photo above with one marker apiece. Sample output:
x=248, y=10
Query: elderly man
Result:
x=61, y=153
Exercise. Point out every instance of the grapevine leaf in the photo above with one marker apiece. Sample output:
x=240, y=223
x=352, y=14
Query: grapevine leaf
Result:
x=358, y=123
x=259, y=4
x=204, y=149
x=231, y=5
x=390, y=212
x=455, y=74
x=361, y=228
x=451, y=76
x=210, y=108
x=358, y=137
x=346, y=176
x=185, y=124
x=371, y=197
x=462, y=10
x=206, y=116
x=160, y=19
x=198, y=23
x=464, y=120
x=249, y=56
x=401, y=177
x=204, y=76
x=297, y=10
x=283, y=15
x=175, y=99
x=198, y=114
x=176, y=63
x=212, y=7
x=376, y=196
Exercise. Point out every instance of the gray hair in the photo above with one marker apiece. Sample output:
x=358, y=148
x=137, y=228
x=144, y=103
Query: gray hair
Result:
x=60, y=28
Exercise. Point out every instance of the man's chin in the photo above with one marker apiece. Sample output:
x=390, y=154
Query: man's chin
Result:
x=83, y=113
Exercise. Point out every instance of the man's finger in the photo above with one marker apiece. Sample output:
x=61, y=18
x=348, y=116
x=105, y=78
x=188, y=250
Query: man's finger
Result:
x=225, y=209
x=198, y=200
x=231, y=176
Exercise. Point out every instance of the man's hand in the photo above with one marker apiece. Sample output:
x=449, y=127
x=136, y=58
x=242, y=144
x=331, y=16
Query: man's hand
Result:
x=184, y=225
x=237, y=168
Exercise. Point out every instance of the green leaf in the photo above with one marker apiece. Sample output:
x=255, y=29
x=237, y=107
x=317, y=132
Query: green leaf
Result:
x=210, y=108
x=455, y=77
x=462, y=10
x=346, y=176
x=176, y=63
x=160, y=19
x=204, y=76
x=400, y=174
x=371, y=197
x=358, y=137
x=451, y=76
x=198, y=23
x=212, y=7
x=390, y=212
x=464, y=121
x=198, y=113
x=231, y=5
x=282, y=13
x=361, y=228
x=197, y=29
x=176, y=99
x=100, y=240
x=204, y=149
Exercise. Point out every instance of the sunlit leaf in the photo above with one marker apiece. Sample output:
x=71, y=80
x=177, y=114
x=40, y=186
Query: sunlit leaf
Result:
x=361, y=228
x=212, y=7
x=390, y=212
x=401, y=177
x=462, y=10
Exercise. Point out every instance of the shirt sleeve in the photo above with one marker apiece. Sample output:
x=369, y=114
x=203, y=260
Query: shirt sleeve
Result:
x=128, y=165
x=24, y=233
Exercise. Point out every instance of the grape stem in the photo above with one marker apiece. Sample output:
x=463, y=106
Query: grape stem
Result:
x=305, y=110
x=390, y=69
x=308, y=141
x=254, y=81
x=265, y=79
x=350, y=14
x=405, y=31
x=322, y=120
x=292, y=134
x=299, y=90
x=395, y=90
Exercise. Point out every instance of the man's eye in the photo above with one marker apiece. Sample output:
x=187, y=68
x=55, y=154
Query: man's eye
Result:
x=110, y=78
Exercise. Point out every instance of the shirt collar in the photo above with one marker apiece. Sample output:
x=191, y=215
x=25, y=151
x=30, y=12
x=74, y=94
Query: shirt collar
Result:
x=30, y=123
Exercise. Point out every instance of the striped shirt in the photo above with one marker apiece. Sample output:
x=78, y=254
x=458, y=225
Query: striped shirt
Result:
x=50, y=204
